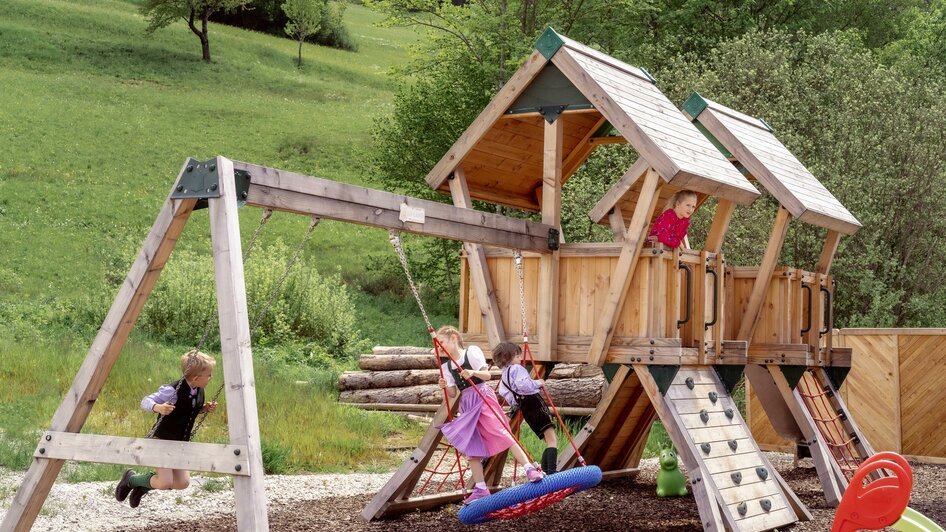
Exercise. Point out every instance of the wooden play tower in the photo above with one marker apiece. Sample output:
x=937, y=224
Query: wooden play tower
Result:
x=654, y=318
x=785, y=312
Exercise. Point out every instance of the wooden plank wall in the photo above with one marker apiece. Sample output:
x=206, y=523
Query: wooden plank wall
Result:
x=651, y=308
x=893, y=392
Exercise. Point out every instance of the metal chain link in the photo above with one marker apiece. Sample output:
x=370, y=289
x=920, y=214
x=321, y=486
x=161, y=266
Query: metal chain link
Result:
x=522, y=294
x=395, y=238
x=246, y=254
x=272, y=297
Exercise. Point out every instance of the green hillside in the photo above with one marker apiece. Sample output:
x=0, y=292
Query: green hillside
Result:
x=96, y=118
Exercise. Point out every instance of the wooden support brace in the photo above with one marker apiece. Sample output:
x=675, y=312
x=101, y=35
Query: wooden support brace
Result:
x=191, y=456
x=616, y=218
x=624, y=270
x=104, y=351
x=717, y=232
x=764, y=276
x=827, y=252
x=239, y=381
x=479, y=272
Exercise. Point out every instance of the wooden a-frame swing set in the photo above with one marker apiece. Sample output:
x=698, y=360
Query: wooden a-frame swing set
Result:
x=673, y=329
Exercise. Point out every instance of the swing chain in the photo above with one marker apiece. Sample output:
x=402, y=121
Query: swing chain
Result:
x=246, y=254
x=276, y=288
x=522, y=294
x=272, y=296
x=395, y=238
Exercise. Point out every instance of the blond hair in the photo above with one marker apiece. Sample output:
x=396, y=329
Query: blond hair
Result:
x=196, y=362
x=450, y=330
x=504, y=352
x=678, y=196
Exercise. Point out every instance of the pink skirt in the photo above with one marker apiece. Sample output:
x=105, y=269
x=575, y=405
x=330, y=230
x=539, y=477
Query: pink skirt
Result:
x=476, y=431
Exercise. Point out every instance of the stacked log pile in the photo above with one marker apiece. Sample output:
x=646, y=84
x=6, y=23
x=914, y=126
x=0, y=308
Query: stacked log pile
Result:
x=405, y=378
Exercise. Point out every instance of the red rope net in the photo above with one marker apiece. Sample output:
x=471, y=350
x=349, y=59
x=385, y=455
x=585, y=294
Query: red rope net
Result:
x=829, y=424
x=533, y=505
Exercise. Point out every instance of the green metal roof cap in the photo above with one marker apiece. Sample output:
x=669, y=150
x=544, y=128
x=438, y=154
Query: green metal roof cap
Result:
x=549, y=42
x=695, y=105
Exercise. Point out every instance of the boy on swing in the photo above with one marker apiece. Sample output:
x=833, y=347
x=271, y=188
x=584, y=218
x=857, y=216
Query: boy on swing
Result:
x=521, y=391
x=177, y=405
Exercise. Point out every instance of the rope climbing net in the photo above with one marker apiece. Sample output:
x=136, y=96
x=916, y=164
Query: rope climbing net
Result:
x=829, y=420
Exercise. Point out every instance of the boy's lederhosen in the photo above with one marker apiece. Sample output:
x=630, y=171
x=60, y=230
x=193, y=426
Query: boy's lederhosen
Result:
x=458, y=379
x=534, y=410
x=179, y=423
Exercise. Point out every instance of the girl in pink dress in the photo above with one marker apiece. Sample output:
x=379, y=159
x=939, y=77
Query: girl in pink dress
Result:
x=671, y=227
x=480, y=430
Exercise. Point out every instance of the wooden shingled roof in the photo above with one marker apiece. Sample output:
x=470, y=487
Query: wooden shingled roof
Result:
x=750, y=142
x=501, y=153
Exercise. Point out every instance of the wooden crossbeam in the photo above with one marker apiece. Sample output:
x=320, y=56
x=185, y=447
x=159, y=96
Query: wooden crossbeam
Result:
x=618, y=190
x=288, y=191
x=624, y=270
x=77, y=403
x=192, y=456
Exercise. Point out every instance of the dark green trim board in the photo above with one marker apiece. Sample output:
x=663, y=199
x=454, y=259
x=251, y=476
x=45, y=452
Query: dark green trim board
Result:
x=766, y=124
x=663, y=375
x=549, y=42
x=648, y=74
x=793, y=374
x=712, y=138
x=610, y=370
x=549, y=94
x=729, y=374
x=837, y=375
x=695, y=105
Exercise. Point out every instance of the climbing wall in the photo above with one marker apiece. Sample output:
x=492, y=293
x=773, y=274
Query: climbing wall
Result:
x=718, y=450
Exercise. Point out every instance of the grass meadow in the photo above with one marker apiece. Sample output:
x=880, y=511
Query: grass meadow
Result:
x=96, y=119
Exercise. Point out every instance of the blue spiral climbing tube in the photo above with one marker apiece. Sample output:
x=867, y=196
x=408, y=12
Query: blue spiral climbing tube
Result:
x=531, y=496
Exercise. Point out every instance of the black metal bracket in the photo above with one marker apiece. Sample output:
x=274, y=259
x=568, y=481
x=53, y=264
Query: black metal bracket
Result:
x=793, y=374
x=663, y=375
x=729, y=374
x=554, y=241
x=837, y=374
x=201, y=180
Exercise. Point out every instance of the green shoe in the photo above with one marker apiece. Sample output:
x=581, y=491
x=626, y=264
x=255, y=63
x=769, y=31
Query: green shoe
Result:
x=123, y=487
x=134, y=499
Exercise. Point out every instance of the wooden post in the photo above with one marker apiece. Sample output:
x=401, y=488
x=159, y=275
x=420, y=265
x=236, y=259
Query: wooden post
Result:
x=104, y=351
x=624, y=270
x=616, y=218
x=242, y=415
x=479, y=272
x=764, y=277
x=547, y=326
x=717, y=233
x=827, y=252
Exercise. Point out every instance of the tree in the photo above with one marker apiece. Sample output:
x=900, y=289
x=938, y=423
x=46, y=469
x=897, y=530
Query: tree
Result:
x=161, y=13
x=305, y=18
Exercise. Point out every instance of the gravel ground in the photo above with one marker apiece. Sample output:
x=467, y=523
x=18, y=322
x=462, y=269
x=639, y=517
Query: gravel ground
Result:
x=334, y=502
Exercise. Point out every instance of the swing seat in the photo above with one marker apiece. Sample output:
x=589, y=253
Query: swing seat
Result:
x=526, y=498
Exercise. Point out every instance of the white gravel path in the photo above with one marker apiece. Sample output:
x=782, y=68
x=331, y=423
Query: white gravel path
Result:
x=91, y=506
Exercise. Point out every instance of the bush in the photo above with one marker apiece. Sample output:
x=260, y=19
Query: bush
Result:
x=309, y=308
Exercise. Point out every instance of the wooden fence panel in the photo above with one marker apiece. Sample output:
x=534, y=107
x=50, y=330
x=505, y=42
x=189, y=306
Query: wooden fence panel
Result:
x=922, y=395
x=872, y=388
